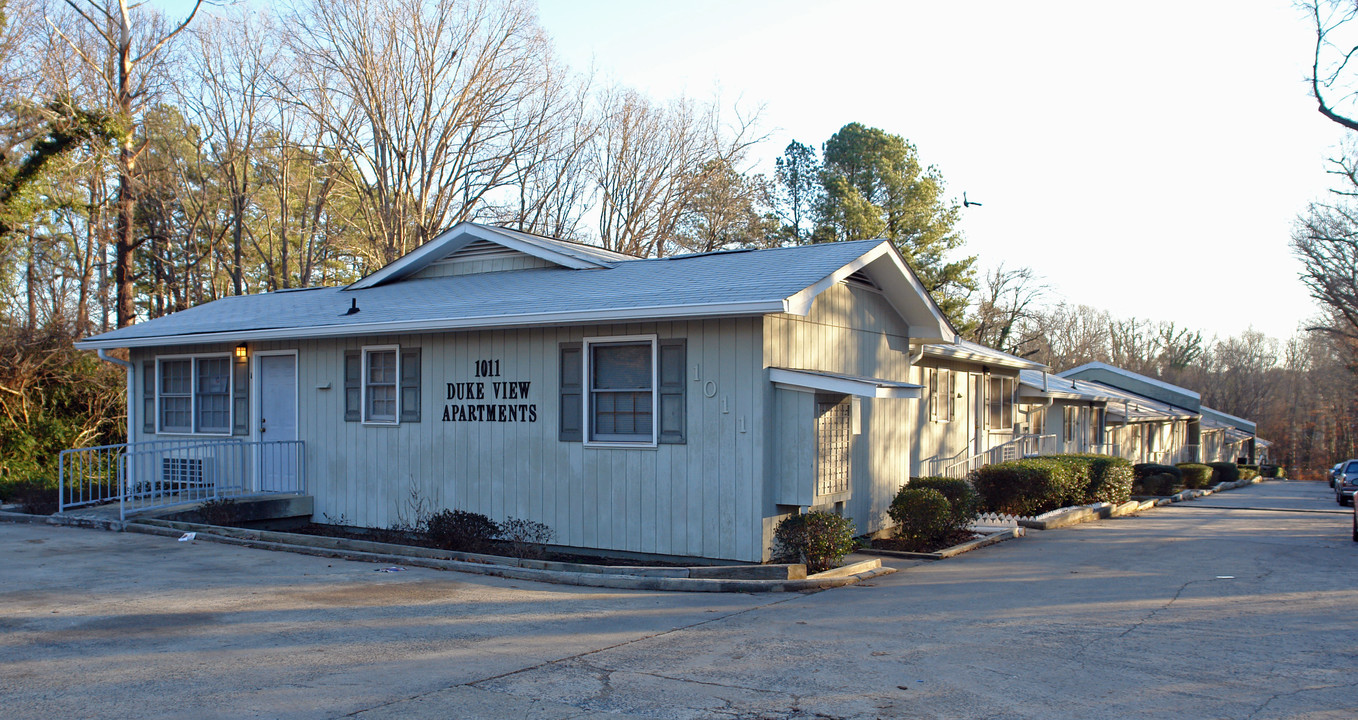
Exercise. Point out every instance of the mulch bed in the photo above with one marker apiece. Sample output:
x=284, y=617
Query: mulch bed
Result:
x=900, y=545
x=503, y=549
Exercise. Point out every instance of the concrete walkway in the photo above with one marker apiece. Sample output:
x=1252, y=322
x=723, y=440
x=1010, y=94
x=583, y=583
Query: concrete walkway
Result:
x=1184, y=611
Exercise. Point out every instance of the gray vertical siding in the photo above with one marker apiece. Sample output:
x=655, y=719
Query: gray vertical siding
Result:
x=708, y=497
x=699, y=498
x=850, y=330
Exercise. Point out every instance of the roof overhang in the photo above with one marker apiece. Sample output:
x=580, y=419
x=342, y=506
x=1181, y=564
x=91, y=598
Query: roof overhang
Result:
x=815, y=380
x=997, y=358
x=899, y=285
x=663, y=312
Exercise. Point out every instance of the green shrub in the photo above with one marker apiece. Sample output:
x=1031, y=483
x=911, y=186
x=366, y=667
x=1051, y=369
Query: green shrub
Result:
x=1224, y=472
x=1159, y=484
x=1196, y=475
x=1030, y=486
x=34, y=497
x=525, y=537
x=818, y=539
x=922, y=515
x=962, y=497
x=1270, y=471
x=1109, y=479
x=1141, y=470
x=1248, y=473
x=461, y=530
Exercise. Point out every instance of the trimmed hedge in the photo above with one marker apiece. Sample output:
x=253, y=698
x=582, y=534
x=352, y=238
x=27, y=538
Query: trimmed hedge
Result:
x=1270, y=471
x=1026, y=487
x=963, y=499
x=1036, y=485
x=1224, y=472
x=1196, y=475
x=1248, y=473
x=1142, y=470
x=1159, y=484
x=922, y=515
x=1110, y=479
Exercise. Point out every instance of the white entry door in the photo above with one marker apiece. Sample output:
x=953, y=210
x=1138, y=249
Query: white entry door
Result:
x=278, y=463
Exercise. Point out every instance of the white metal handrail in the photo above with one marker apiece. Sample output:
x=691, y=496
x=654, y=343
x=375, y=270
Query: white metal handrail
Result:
x=159, y=473
x=1019, y=447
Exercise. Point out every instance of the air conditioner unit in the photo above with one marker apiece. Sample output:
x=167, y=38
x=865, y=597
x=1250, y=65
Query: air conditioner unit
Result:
x=185, y=472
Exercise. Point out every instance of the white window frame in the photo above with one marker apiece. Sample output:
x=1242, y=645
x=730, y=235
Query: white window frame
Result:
x=587, y=389
x=367, y=350
x=193, y=394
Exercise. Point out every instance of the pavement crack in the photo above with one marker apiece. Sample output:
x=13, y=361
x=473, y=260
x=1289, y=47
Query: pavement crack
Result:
x=1269, y=700
x=577, y=656
x=633, y=641
x=1151, y=615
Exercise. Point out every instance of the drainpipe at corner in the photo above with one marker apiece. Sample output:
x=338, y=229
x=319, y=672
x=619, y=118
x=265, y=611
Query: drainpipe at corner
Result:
x=103, y=355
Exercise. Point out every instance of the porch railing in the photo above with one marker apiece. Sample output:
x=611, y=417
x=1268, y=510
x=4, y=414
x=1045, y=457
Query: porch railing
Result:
x=1020, y=446
x=160, y=473
x=1105, y=449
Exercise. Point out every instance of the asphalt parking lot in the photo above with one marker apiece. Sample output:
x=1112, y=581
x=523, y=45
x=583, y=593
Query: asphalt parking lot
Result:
x=1237, y=605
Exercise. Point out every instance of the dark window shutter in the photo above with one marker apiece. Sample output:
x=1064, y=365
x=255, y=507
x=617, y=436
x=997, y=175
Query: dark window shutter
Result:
x=353, y=385
x=410, y=385
x=572, y=394
x=673, y=405
x=240, y=398
x=148, y=397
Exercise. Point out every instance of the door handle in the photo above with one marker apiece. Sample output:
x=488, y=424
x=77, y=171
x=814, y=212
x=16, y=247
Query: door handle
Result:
x=262, y=428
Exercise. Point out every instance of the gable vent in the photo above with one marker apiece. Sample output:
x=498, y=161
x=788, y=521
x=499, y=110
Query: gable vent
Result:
x=861, y=278
x=478, y=250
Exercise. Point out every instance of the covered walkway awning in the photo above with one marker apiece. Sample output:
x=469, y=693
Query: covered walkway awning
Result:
x=812, y=380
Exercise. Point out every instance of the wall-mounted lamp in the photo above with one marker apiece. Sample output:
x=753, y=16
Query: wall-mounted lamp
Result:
x=240, y=353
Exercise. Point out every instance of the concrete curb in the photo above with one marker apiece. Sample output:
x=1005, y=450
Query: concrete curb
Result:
x=980, y=542
x=838, y=577
x=793, y=571
x=64, y=520
x=621, y=582
x=1064, y=517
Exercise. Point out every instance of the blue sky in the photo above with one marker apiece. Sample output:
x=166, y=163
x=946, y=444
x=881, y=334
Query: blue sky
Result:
x=1146, y=158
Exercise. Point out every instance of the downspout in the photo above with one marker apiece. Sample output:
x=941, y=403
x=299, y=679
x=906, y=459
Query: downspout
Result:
x=103, y=355
x=916, y=356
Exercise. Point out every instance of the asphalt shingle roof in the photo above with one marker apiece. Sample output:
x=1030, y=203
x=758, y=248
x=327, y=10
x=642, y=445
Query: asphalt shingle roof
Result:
x=514, y=297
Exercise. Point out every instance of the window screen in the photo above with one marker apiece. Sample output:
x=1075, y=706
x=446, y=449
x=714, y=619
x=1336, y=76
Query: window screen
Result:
x=380, y=384
x=212, y=396
x=621, y=397
x=176, y=395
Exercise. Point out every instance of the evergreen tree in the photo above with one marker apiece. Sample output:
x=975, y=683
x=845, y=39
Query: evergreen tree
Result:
x=873, y=186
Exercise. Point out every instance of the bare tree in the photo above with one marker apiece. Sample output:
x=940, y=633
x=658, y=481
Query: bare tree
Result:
x=1006, y=315
x=230, y=65
x=124, y=62
x=653, y=161
x=423, y=101
x=1332, y=81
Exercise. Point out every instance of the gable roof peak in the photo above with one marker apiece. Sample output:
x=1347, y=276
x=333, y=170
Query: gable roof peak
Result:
x=464, y=235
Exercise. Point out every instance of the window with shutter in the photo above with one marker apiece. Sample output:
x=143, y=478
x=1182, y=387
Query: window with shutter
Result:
x=572, y=413
x=673, y=398
x=380, y=374
x=410, y=385
x=193, y=395
x=353, y=385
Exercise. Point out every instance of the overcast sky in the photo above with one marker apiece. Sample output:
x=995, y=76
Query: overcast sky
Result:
x=1146, y=158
